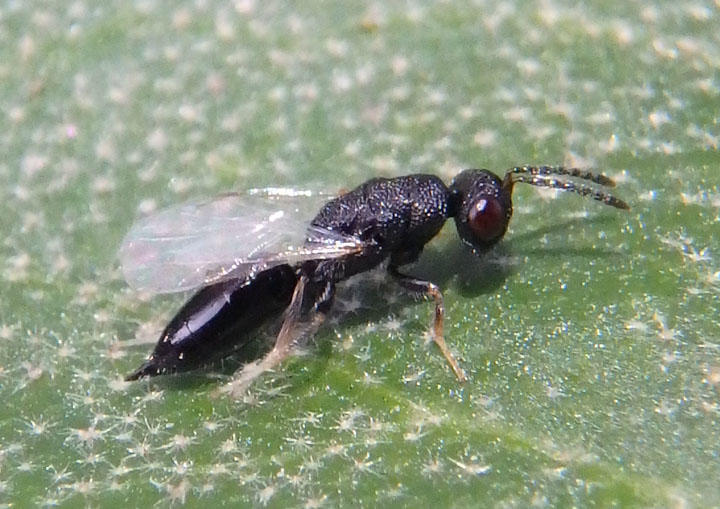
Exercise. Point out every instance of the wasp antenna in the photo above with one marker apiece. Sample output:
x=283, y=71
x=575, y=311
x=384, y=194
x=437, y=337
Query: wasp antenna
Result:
x=547, y=171
x=565, y=185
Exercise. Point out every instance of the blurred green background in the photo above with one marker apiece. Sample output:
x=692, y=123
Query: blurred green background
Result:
x=590, y=335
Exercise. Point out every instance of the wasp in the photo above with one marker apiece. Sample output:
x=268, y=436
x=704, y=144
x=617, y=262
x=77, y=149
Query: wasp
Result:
x=253, y=256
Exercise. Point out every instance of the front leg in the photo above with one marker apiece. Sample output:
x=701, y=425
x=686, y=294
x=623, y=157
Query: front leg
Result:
x=431, y=290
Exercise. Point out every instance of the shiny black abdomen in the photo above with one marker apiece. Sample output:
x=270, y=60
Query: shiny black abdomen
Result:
x=217, y=318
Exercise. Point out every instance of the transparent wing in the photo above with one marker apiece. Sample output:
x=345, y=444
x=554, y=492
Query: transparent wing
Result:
x=232, y=236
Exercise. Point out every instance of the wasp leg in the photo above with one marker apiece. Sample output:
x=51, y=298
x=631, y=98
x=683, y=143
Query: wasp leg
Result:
x=431, y=290
x=296, y=328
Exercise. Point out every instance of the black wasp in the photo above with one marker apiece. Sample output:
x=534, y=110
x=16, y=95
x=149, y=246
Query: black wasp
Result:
x=254, y=257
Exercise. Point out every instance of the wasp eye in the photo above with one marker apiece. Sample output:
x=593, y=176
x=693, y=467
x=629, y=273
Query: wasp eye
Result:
x=486, y=218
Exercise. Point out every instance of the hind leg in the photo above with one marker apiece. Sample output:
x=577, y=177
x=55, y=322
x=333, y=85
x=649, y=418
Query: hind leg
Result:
x=297, y=327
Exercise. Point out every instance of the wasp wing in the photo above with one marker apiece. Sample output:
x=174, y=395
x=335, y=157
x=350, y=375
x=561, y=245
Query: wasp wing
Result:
x=231, y=236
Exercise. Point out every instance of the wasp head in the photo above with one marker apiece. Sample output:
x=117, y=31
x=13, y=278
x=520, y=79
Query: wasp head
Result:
x=482, y=206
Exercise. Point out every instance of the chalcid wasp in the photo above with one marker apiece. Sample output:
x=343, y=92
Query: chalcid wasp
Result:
x=256, y=256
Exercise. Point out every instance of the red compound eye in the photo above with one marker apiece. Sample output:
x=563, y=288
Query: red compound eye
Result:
x=487, y=219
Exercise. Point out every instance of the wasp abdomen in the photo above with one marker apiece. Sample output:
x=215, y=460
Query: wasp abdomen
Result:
x=218, y=319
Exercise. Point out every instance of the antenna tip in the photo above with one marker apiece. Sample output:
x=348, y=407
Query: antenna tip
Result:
x=622, y=205
x=604, y=180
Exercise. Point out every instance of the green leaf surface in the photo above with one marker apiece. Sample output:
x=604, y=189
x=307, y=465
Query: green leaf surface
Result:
x=590, y=335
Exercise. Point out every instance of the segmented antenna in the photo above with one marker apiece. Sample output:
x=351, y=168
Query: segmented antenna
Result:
x=542, y=176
